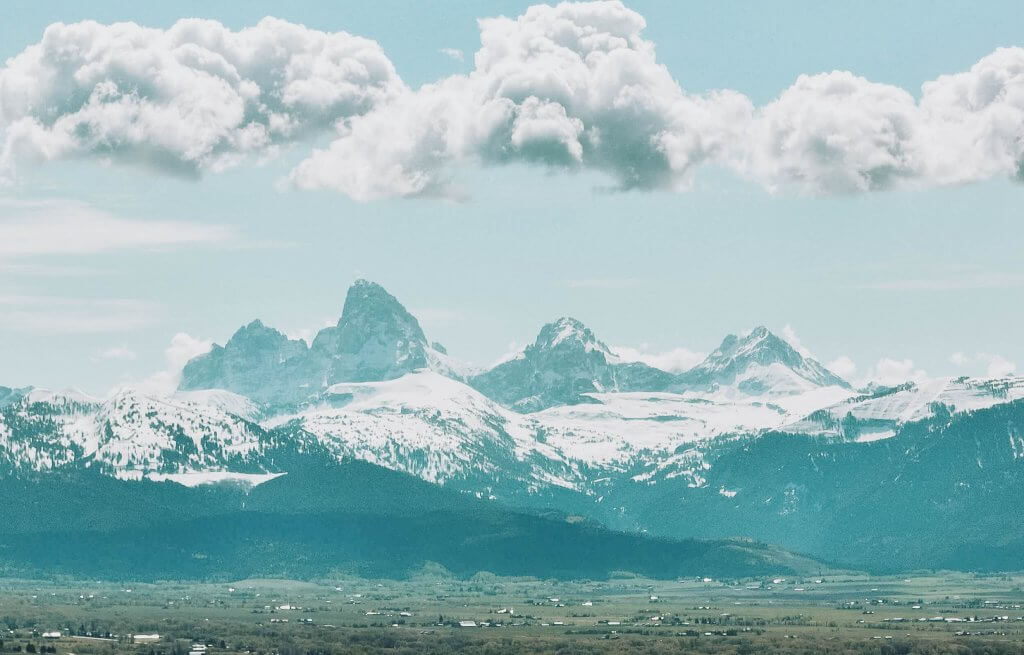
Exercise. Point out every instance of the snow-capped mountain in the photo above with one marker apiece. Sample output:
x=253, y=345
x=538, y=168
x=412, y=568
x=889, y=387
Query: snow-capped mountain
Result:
x=564, y=363
x=435, y=428
x=375, y=339
x=878, y=414
x=131, y=435
x=755, y=437
x=759, y=363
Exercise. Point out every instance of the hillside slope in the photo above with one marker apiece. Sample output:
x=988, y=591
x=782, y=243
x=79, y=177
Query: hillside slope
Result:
x=353, y=517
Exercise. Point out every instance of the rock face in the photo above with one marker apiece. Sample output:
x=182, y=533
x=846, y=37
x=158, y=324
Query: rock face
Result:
x=375, y=339
x=563, y=363
x=258, y=362
x=759, y=363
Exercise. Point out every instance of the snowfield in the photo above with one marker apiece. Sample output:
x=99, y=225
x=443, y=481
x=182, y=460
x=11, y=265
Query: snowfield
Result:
x=442, y=430
x=886, y=411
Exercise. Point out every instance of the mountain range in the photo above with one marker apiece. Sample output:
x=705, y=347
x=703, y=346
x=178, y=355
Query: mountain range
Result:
x=757, y=441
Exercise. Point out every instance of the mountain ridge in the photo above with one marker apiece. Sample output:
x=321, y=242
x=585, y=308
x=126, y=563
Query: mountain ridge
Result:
x=735, y=445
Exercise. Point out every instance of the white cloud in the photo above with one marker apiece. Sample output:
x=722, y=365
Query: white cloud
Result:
x=514, y=350
x=115, y=353
x=65, y=315
x=196, y=96
x=52, y=227
x=674, y=360
x=837, y=132
x=452, y=53
x=833, y=132
x=842, y=366
x=1000, y=367
x=307, y=334
x=182, y=348
x=789, y=334
x=890, y=371
x=571, y=86
x=995, y=366
x=974, y=125
x=577, y=86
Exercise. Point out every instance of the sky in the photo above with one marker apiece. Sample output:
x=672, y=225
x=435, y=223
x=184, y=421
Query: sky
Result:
x=666, y=172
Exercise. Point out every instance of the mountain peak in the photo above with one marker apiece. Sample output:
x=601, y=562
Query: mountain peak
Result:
x=760, y=362
x=567, y=333
x=376, y=338
x=364, y=291
x=564, y=363
x=256, y=332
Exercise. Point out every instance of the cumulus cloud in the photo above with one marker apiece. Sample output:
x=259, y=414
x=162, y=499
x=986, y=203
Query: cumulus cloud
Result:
x=577, y=86
x=789, y=334
x=975, y=120
x=571, y=86
x=995, y=366
x=833, y=132
x=182, y=348
x=197, y=96
x=890, y=371
x=674, y=360
x=843, y=366
x=838, y=132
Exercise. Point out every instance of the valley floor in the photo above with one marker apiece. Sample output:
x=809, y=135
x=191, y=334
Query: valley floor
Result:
x=434, y=613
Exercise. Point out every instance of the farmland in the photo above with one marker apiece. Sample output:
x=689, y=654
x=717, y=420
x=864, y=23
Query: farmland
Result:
x=434, y=612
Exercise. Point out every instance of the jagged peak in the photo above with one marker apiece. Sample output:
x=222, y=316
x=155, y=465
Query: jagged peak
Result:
x=365, y=290
x=568, y=332
x=759, y=346
x=368, y=302
x=256, y=329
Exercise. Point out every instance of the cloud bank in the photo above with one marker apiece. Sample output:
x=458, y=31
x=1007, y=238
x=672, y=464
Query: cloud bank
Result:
x=569, y=87
x=194, y=97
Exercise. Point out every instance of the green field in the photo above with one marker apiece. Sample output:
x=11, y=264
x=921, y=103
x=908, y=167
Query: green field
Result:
x=935, y=613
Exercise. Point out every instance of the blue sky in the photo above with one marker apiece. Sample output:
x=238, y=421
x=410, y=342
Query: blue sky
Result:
x=918, y=272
